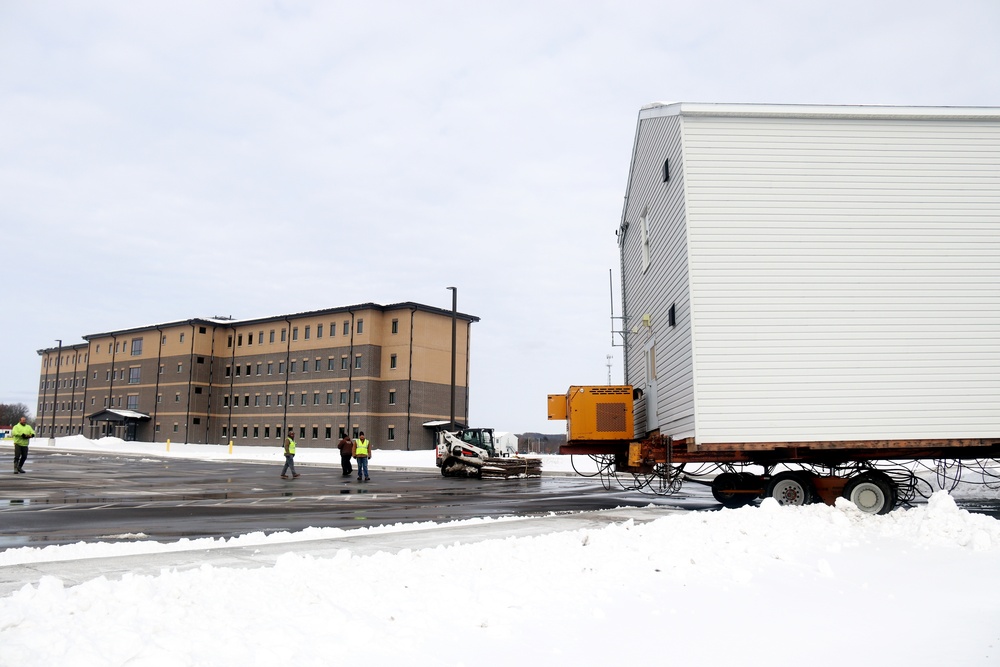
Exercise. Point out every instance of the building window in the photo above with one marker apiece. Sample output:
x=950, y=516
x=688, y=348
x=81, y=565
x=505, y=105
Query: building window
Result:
x=319, y=331
x=244, y=431
x=329, y=398
x=132, y=403
x=395, y=326
x=270, y=367
x=306, y=333
x=392, y=361
x=283, y=334
x=302, y=401
x=267, y=431
x=258, y=368
x=161, y=370
x=343, y=398
x=182, y=337
x=357, y=362
x=281, y=368
x=302, y=432
x=180, y=368
x=133, y=375
x=246, y=401
x=225, y=403
x=256, y=402
x=177, y=398
x=239, y=340
x=391, y=435
x=196, y=420
x=267, y=401
x=295, y=333
x=175, y=427
x=293, y=366
x=392, y=397
x=250, y=338
x=229, y=342
x=333, y=328
x=343, y=363
x=136, y=347
x=644, y=235
x=260, y=337
x=239, y=369
x=329, y=364
x=280, y=397
x=361, y=326
x=197, y=390
x=328, y=433
x=357, y=397
x=316, y=398
x=200, y=360
x=248, y=370
x=315, y=432
x=271, y=336
x=317, y=366
x=347, y=328
x=256, y=431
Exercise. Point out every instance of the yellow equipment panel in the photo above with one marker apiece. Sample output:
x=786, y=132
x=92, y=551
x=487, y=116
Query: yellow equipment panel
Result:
x=595, y=413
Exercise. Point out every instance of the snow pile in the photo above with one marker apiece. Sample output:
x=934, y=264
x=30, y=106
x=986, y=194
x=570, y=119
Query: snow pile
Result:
x=757, y=585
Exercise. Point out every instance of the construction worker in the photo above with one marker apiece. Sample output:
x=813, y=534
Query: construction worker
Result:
x=362, y=452
x=22, y=433
x=289, y=455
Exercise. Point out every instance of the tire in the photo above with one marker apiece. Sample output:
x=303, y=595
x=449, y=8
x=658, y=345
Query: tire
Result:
x=446, y=470
x=871, y=492
x=723, y=488
x=791, y=488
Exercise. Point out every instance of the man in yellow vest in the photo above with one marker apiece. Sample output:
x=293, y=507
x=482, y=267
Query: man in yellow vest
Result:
x=289, y=455
x=22, y=434
x=362, y=452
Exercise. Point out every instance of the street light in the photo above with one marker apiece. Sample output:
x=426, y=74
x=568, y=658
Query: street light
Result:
x=454, y=318
x=55, y=398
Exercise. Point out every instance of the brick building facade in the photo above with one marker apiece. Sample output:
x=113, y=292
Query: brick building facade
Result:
x=385, y=370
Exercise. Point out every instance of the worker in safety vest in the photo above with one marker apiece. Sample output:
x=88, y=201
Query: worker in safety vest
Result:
x=22, y=434
x=289, y=455
x=362, y=452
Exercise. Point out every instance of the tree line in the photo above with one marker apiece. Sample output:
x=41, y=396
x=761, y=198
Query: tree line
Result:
x=11, y=413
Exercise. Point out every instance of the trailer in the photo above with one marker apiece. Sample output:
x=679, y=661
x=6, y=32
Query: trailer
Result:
x=806, y=292
x=875, y=475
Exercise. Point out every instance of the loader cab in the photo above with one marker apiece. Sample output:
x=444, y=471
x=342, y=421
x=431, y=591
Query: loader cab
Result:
x=479, y=437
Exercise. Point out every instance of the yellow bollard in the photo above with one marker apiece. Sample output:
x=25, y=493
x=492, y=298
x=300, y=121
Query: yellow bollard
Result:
x=168, y=444
x=230, y=446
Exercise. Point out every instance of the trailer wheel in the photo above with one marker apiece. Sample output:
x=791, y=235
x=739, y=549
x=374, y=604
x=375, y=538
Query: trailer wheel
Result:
x=791, y=488
x=871, y=492
x=731, y=489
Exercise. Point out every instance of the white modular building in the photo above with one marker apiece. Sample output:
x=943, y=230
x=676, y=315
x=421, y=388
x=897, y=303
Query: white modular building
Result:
x=826, y=275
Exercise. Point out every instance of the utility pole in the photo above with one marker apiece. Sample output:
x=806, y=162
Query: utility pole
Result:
x=454, y=330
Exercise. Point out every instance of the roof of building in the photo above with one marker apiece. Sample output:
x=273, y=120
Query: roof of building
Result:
x=116, y=415
x=657, y=109
x=233, y=323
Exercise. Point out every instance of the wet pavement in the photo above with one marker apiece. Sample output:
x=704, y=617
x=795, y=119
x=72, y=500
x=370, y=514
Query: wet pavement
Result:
x=68, y=497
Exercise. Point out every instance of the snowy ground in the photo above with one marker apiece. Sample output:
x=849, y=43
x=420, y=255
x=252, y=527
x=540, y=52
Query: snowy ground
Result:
x=818, y=585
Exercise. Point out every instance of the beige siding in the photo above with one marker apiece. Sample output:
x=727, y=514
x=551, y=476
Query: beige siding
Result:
x=845, y=277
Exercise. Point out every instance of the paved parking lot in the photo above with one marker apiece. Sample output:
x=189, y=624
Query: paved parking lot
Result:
x=69, y=497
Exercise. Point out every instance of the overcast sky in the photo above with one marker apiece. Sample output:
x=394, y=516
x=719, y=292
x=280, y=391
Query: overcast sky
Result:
x=167, y=160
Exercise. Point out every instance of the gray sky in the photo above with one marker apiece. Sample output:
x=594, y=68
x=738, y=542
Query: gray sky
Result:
x=151, y=153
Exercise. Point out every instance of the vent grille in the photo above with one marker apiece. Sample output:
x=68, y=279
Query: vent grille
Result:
x=610, y=417
x=610, y=391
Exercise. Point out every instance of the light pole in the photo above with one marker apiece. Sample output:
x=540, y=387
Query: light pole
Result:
x=55, y=398
x=454, y=329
